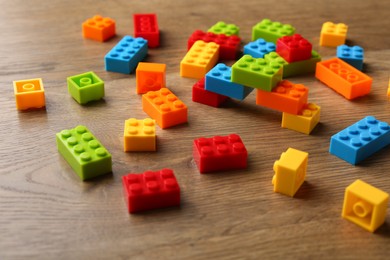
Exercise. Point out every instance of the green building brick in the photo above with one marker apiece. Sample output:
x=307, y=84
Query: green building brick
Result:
x=257, y=73
x=295, y=68
x=274, y=57
x=84, y=152
x=271, y=31
x=86, y=87
x=223, y=28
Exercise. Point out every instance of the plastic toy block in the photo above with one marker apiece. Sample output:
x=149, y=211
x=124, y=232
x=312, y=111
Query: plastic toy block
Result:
x=365, y=205
x=229, y=46
x=164, y=107
x=151, y=190
x=124, y=57
x=224, y=28
x=139, y=135
x=360, y=140
x=333, y=35
x=290, y=172
x=352, y=55
x=259, y=48
x=295, y=68
x=86, y=87
x=146, y=26
x=388, y=91
x=294, y=48
x=285, y=97
x=302, y=67
x=343, y=78
x=150, y=77
x=218, y=80
x=276, y=58
x=305, y=121
x=220, y=153
x=199, y=59
x=271, y=31
x=29, y=93
x=203, y=96
x=257, y=73
x=85, y=154
x=99, y=28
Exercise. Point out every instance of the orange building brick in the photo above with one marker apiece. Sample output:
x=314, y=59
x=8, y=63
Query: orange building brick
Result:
x=343, y=78
x=388, y=90
x=199, y=59
x=150, y=77
x=29, y=93
x=285, y=97
x=99, y=28
x=333, y=35
x=164, y=107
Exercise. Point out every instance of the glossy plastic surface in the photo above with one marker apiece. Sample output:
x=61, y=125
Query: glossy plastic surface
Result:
x=151, y=190
x=220, y=153
x=365, y=205
x=164, y=107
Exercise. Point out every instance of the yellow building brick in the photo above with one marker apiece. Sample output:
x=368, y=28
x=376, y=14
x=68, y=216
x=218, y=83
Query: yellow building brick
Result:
x=290, y=171
x=199, y=59
x=305, y=121
x=333, y=35
x=139, y=135
x=365, y=205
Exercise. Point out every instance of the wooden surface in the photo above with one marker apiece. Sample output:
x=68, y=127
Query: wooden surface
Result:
x=47, y=212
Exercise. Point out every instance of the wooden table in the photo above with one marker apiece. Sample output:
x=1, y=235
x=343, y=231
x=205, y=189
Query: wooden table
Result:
x=47, y=212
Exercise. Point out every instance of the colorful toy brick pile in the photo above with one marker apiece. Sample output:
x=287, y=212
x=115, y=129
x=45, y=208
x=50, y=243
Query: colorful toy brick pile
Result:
x=260, y=68
x=275, y=53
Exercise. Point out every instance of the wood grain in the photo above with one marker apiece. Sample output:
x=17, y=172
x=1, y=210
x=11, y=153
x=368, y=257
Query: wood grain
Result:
x=47, y=212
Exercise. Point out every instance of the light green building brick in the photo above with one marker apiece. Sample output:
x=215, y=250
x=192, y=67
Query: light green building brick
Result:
x=295, y=68
x=257, y=73
x=224, y=28
x=86, y=87
x=85, y=154
x=271, y=31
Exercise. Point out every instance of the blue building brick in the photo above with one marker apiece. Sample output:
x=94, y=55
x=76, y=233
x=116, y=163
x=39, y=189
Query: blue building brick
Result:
x=259, y=48
x=360, y=140
x=352, y=55
x=218, y=80
x=124, y=57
